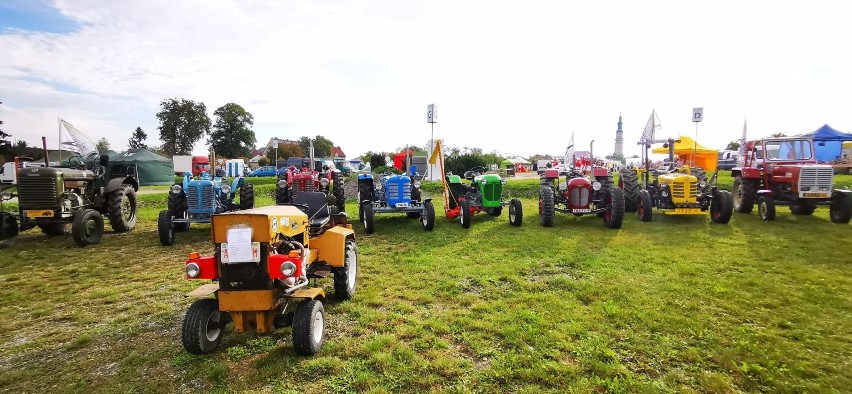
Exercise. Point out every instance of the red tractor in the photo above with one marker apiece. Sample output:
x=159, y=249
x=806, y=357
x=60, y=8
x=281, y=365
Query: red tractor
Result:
x=783, y=171
x=293, y=181
x=587, y=190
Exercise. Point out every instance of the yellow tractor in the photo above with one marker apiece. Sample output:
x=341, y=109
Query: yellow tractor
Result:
x=264, y=271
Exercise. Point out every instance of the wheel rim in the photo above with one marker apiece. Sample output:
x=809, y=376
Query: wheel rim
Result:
x=319, y=322
x=126, y=209
x=641, y=209
x=512, y=212
x=763, y=209
x=90, y=227
x=352, y=270
x=213, y=328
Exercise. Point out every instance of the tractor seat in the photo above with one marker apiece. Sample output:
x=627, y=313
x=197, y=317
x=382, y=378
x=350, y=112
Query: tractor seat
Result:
x=318, y=215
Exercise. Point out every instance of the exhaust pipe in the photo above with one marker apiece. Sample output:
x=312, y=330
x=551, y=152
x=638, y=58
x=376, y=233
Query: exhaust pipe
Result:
x=46, y=156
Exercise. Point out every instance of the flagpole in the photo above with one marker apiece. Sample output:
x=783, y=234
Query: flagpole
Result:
x=59, y=121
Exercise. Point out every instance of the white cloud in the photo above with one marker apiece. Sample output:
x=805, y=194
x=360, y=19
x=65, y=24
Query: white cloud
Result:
x=507, y=76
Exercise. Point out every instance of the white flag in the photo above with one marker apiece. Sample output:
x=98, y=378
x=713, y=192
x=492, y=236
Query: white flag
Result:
x=742, y=151
x=75, y=141
x=569, y=153
x=651, y=128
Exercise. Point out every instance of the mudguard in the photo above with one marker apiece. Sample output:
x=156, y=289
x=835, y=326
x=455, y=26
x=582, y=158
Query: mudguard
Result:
x=115, y=184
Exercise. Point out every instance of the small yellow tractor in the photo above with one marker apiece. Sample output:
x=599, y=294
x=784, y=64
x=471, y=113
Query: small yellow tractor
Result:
x=264, y=273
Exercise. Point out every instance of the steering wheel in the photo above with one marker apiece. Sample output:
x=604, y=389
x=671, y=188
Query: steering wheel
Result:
x=75, y=160
x=98, y=171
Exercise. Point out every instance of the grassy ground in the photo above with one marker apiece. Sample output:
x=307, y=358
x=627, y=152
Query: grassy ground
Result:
x=677, y=304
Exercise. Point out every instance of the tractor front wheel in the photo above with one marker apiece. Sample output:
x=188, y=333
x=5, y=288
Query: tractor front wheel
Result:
x=367, y=217
x=246, y=196
x=345, y=277
x=643, y=206
x=545, y=206
x=516, y=212
x=840, y=210
x=121, y=205
x=165, y=228
x=8, y=230
x=427, y=217
x=614, y=215
x=309, y=328
x=721, y=207
x=464, y=213
x=203, y=326
x=766, y=208
x=88, y=227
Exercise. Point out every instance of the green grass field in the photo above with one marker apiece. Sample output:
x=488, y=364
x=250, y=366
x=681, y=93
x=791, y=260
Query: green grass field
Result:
x=675, y=305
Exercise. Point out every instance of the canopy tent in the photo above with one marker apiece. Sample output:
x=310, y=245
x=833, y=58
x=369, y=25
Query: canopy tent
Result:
x=828, y=142
x=151, y=168
x=507, y=164
x=686, y=149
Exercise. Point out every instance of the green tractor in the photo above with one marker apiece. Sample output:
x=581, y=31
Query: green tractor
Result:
x=484, y=194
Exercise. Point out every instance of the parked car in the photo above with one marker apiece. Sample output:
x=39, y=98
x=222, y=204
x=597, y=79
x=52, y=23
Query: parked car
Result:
x=265, y=171
x=727, y=159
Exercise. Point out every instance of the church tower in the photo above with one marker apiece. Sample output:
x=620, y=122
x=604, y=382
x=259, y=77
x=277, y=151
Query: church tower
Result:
x=619, y=140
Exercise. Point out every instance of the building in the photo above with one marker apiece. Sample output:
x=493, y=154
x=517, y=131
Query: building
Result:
x=280, y=142
x=619, y=141
x=337, y=152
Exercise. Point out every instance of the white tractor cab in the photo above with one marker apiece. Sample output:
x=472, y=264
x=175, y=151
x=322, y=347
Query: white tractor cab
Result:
x=9, y=171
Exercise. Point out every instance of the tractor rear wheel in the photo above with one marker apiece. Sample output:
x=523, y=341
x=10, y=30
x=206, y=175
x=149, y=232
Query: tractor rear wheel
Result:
x=699, y=174
x=345, y=277
x=52, y=229
x=840, y=210
x=246, y=196
x=367, y=214
x=545, y=206
x=165, y=228
x=203, y=326
x=516, y=212
x=427, y=218
x=309, y=328
x=745, y=193
x=614, y=215
x=721, y=207
x=337, y=192
x=282, y=194
x=766, y=208
x=8, y=230
x=121, y=205
x=803, y=207
x=178, y=209
x=464, y=213
x=88, y=227
x=629, y=181
x=643, y=206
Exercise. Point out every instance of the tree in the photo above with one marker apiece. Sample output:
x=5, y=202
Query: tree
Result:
x=232, y=135
x=412, y=147
x=263, y=161
x=284, y=152
x=137, y=139
x=322, y=146
x=21, y=144
x=377, y=160
x=3, y=134
x=102, y=145
x=733, y=145
x=182, y=123
x=777, y=135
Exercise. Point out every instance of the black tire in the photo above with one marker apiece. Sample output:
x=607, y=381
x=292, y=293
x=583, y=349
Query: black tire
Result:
x=427, y=218
x=721, y=207
x=338, y=192
x=546, y=208
x=614, y=201
x=464, y=213
x=165, y=228
x=8, y=230
x=87, y=227
x=840, y=210
x=643, y=207
x=516, y=212
x=699, y=174
x=745, y=194
x=178, y=209
x=52, y=229
x=803, y=207
x=246, y=196
x=367, y=215
x=629, y=180
x=282, y=195
x=203, y=326
x=345, y=278
x=121, y=206
x=766, y=208
x=309, y=328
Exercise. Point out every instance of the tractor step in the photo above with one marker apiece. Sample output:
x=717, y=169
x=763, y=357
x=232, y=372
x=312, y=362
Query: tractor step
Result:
x=319, y=272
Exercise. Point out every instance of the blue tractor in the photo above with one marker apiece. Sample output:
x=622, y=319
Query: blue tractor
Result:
x=196, y=200
x=393, y=194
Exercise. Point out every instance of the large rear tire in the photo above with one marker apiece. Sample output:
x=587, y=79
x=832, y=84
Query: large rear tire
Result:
x=345, y=277
x=88, y=227
x=745, y=194
x=840, y=210
x=614, y=201
x=516, y=212
x=121, y=206
x=546, y=206
x=178, y=209
x=165, y=228
x=282, y=195
x=766, y=208
x=309, y=328
x=464, y=213
x=629, y=181
x=427, y=218
x=8, y=230
x=721, y=207
x=246, y=196
x=338, y=192
x=643, y=207
x=203, y=327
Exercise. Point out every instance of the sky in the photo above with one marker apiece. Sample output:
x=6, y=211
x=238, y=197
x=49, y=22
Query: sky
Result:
x=513, y=77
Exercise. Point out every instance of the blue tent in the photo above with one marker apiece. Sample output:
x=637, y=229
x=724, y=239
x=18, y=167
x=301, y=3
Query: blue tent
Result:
x=828, y=142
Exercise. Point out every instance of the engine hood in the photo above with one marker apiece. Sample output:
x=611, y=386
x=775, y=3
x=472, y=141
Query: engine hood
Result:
x=68, y=174
x=677, y=177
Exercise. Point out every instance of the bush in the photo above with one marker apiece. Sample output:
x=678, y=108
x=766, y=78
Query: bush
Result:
x=382, y=169
x=458, y=164
x=377, y=161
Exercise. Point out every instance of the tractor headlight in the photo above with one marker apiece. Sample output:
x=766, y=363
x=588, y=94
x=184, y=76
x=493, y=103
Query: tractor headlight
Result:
x=282, y=183
x=663, y=185
x=416, y=184
x=226, y=189
x=176, y=189
x=193, y=270
x=484, y=181
x=324, y=182
x=5, y=196
x=702, y=184
x=596, y=186
x=563, y=186
x=503, y=181
x=288, y=269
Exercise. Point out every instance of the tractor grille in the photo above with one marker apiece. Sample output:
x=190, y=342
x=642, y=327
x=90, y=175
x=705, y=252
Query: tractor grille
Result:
x=492, y=192
x=301, y=186
x=37, y=192
x=579, y=197
x=205, y=200
x=245, y=276
x=679, y=190
x=816, y=177
x=399, y=191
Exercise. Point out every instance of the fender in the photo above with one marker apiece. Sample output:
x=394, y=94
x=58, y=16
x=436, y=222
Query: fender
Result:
x=115, y=183
x=764, y=192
